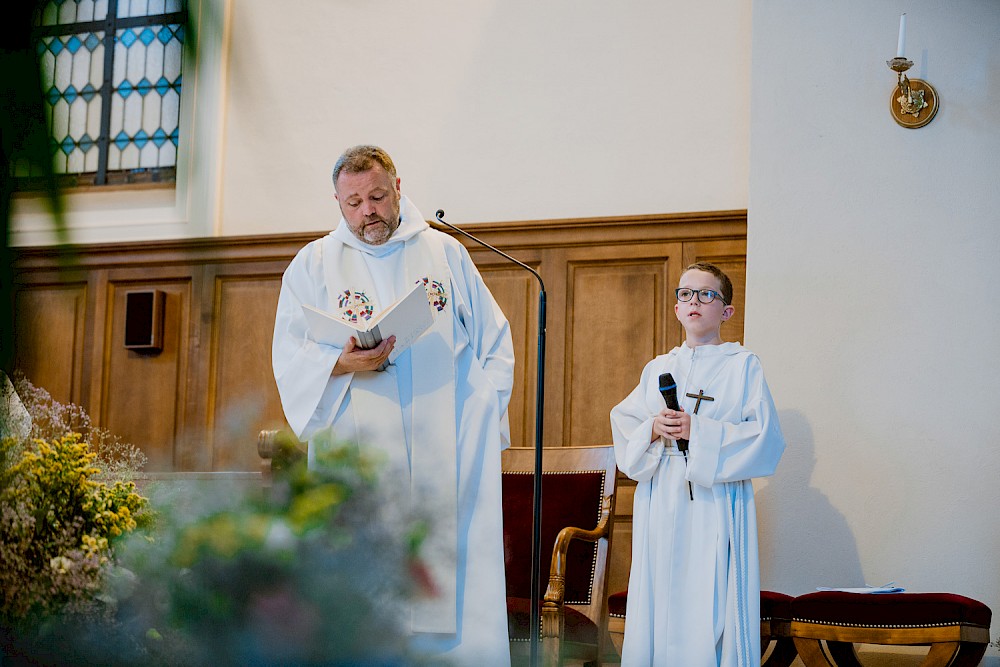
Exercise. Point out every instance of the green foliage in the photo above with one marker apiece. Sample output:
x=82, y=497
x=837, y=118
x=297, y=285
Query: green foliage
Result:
x=317, y=570
x=57, y=526
x=114, y=459
x=62, y=516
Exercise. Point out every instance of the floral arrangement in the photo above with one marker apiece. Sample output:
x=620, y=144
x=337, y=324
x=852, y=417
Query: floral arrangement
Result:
x=316, y=569
x=59, y=522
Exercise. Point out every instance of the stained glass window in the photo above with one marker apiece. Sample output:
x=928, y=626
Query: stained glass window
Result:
x=112, y=82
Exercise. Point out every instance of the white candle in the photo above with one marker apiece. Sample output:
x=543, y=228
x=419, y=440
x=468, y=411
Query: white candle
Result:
x=901, y=43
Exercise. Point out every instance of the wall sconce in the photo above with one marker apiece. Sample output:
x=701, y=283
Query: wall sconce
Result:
x=914, y=103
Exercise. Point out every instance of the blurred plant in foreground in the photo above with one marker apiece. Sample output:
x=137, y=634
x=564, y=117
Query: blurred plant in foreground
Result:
x=59, y=523
x=316, y=570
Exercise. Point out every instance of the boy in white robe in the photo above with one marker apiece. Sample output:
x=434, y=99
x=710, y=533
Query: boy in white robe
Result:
x=438, y=412
x=694, y=584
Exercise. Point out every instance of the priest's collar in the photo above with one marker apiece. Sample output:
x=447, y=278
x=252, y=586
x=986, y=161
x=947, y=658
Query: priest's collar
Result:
x=411, y=223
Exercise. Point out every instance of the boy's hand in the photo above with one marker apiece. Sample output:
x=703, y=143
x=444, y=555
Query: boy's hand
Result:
x=354, y=359
x=672, y=425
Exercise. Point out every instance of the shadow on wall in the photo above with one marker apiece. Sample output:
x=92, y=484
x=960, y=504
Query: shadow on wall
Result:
x=804, y=541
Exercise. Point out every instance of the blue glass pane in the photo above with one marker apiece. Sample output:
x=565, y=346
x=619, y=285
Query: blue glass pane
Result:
x=146, y=59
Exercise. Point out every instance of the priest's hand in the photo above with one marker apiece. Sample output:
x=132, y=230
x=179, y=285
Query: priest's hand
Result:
x=354, y=359
x=672, y=425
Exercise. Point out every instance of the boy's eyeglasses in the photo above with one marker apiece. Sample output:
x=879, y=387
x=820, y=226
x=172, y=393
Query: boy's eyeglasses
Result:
x=685, y=294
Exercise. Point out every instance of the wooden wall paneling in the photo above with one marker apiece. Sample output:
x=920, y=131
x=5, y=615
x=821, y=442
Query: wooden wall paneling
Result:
x=618, y=317
x=144, y=394
x=243, y=397
x=51, y=324
x=730, y=255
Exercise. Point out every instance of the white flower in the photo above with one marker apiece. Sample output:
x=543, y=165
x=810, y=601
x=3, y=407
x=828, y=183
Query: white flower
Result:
x=61, y=564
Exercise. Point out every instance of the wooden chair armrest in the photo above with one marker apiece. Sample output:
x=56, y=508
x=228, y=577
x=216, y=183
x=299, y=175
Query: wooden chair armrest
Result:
x=556, y=589
x=278, y=450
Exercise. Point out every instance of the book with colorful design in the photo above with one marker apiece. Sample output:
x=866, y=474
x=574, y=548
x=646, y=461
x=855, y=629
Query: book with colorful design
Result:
x=406, y=319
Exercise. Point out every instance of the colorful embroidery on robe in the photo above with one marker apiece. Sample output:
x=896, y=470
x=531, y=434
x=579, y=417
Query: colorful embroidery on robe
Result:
x=437, y=295
x=355, y=305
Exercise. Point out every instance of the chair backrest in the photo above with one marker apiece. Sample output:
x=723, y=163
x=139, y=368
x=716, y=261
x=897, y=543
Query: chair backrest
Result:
x=578, y=489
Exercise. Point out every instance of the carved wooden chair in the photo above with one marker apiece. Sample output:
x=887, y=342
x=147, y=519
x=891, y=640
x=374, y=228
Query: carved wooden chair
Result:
x=578, y=496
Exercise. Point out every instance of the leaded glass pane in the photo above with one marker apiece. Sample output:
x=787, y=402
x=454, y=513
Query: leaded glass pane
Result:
x=74, y=64
x=128, y=8
x=132, y=122
x=147, y=79
x=63, y=12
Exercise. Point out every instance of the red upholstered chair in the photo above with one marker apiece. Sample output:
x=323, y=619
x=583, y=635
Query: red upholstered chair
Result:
x=956, y=628
x=578, y=494
x=775, y=628
x=775, y=625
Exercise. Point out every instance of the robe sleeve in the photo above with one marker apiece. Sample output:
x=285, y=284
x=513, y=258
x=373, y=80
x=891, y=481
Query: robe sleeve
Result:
x=727, y=452
x=310, y=395
x=488, y=330
x=631, y=428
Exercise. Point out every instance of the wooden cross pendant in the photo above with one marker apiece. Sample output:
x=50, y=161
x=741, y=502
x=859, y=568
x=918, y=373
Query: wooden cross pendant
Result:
x=701, y=397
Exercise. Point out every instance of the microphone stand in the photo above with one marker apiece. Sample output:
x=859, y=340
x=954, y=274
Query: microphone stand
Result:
x=536, y=523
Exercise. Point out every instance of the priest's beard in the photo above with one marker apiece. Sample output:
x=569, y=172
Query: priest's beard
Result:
x=376, y=230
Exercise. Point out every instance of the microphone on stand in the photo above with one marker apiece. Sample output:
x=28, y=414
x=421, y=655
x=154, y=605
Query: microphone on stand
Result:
x=536, y=525
x=668, y=390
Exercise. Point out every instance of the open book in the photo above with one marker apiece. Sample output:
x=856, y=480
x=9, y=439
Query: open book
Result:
x=406, y=319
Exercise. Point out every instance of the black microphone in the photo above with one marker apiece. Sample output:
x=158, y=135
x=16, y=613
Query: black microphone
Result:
x=668, y=389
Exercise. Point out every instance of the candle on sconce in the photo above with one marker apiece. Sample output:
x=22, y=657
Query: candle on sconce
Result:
x=901, y=43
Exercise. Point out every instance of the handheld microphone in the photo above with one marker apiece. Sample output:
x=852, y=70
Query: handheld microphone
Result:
x=668, y=389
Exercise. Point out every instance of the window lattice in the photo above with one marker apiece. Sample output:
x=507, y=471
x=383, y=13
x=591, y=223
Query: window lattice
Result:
x=112, y=85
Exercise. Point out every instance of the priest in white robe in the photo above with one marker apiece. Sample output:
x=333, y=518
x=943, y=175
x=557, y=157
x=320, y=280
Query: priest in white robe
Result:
x=694, y=584
x=437, y=412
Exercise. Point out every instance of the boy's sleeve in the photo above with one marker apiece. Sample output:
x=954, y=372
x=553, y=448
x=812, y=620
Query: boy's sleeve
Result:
x=728, y=452
x=631, y=428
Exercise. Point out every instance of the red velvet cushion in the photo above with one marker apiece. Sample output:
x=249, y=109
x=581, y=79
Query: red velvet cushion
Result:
x=775, y=605
x=772, y=604
x=578, y=628
x=568, y=499
x=616, y=603
x=889, y=609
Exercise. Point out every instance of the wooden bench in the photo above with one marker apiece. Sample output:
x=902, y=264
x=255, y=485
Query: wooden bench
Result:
x=956, y=628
